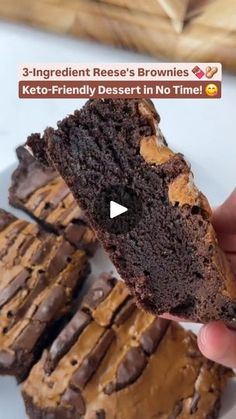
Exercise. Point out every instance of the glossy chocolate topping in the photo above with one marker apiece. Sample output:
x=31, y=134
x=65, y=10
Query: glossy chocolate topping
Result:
x=41, y=193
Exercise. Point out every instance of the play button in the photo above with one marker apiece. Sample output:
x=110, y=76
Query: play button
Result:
x=117, y=209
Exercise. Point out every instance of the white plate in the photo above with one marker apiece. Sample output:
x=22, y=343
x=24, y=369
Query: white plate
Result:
x=12, y=406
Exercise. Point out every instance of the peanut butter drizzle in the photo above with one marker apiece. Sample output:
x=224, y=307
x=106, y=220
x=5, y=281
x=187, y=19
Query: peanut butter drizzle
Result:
x=104, y=312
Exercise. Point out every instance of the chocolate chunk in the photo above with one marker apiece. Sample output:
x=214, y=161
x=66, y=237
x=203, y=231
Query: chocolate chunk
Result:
x=66, y=339
x=51, y=306
x=74, y=398
x=91, y=363
x=61, y=259
x=100, y=414
x=6, y=219
x=125, y=312
x=29, y=337
x=18, y=282
x=99, y=291
x=194, y=403
x=41, y=283
x=10, y=238
x=26, y=245
x=177, y=410
x=42, y=252
x=151, y=338
x=130, y=368
x=74, y=233
x=28, y=176
x=7, y=359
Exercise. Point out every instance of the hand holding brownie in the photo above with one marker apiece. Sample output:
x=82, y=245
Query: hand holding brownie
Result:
x=216, y=340
x=119, y=142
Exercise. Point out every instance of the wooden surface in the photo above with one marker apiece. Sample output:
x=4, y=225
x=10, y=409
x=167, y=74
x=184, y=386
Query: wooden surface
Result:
x=181, y=30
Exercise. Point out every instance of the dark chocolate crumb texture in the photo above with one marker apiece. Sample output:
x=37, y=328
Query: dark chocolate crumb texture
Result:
x=170, y=260
x=40, y=277
x=114, y=361
x=42, y=194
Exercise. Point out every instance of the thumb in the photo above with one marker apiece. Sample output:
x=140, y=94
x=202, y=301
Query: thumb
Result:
x=218, y=343
x=224, y=216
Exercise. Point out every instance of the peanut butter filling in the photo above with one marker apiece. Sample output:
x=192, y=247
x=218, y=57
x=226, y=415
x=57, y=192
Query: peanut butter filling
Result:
x=183, y=191
x=154, y=151
x=153, y=148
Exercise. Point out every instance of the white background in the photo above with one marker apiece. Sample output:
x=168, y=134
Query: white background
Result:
x=204, y=130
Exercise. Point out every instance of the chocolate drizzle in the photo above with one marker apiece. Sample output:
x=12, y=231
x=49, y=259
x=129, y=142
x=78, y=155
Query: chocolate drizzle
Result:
x=90, y=364
x=16, y=284
x=153, y=335
x=42, y=194
x=124, y=312
x=6, y=219
x=40, y=276
x=128, y=371
x=98, y=292
x=65, y=340
x=73, y=398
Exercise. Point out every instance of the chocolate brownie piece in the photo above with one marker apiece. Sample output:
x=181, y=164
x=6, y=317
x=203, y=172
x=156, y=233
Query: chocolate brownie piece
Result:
x=170, y=260
x=40, y=277
x=43, y=195
x=113, y=360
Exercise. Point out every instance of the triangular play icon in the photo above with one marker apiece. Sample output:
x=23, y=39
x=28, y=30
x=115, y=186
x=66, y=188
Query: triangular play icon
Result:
x=116, y=209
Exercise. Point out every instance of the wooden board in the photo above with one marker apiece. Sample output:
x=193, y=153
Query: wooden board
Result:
x=180, y=30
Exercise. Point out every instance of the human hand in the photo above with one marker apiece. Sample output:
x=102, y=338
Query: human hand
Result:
x=215, y=340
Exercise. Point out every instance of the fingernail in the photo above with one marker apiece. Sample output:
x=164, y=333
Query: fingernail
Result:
x=204, y=335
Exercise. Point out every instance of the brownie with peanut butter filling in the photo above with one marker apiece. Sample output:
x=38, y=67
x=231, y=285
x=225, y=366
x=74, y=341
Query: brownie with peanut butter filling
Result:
x=114, y=361
x=170, y=259
x=41, y=275
x=43, y=195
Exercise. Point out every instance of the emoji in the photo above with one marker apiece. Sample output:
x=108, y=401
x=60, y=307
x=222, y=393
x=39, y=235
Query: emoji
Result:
x=211, y=71
x=211, y=89
x=198, y=72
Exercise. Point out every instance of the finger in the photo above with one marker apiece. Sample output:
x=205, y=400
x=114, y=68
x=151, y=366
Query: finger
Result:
x=227, y=242
x=232, y=260
x=224, y=216
x=218, y=343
